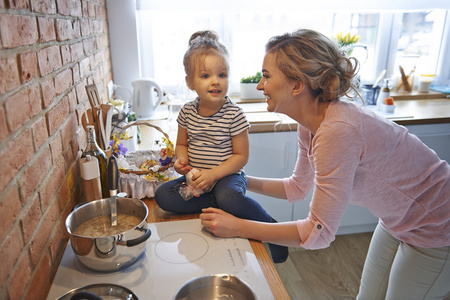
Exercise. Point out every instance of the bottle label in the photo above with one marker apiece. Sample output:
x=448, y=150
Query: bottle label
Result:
x=89, y=168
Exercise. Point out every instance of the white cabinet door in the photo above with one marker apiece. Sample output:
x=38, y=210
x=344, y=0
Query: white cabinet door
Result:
x=435, y=136
x=272, y=155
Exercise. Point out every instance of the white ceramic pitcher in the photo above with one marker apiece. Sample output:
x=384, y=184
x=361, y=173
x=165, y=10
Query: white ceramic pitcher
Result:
x=145, y=102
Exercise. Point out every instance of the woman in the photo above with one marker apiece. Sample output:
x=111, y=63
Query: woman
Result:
x=351, y=155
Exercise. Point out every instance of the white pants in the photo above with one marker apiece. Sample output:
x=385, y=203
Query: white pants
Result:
x=395, y=270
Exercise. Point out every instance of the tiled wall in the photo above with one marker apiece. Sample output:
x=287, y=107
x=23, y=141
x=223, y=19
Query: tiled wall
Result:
x=49, y=51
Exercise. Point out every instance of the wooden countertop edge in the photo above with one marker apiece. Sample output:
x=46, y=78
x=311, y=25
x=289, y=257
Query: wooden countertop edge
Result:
x=156, y=214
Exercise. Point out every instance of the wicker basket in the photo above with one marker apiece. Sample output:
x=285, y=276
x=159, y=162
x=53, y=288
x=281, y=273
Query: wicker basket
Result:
x=139, y=183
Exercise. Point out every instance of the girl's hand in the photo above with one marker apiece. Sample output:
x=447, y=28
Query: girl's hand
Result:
x=203, y=179
x=181, y=166
x=220, y=223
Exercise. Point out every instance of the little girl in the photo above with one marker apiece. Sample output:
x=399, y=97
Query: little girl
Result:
x=212, y=139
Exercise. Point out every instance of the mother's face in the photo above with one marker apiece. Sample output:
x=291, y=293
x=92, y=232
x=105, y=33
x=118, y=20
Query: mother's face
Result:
x=277, y=87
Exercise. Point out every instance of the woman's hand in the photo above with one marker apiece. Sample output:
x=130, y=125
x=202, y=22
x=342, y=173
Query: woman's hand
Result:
x=203, y=179
x=181, y=166
x=220, y=223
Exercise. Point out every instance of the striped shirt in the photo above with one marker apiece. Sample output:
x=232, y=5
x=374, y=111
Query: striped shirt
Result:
x=209, y=138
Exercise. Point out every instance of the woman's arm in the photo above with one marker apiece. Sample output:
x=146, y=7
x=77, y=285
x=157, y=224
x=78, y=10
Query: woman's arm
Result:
x=223, y=224
x=272, y=187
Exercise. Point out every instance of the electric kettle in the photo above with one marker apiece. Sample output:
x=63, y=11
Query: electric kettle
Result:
x=147, y=96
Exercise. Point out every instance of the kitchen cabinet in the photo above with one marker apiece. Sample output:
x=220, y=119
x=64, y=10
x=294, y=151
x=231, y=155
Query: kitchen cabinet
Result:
x=273, y=154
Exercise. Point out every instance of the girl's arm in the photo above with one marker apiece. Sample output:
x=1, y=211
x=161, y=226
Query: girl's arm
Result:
x=235, y=163
x=181, y=165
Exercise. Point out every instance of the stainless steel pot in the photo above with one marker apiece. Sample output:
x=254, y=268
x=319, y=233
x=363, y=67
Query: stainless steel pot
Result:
x=109, y=253
x=100, y=291
x=216, y=286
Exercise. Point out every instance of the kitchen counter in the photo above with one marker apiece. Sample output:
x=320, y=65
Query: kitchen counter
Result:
x=156, y=214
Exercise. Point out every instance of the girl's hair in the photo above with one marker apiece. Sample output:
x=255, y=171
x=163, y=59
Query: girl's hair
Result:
x=310, y=57
x=201, y=44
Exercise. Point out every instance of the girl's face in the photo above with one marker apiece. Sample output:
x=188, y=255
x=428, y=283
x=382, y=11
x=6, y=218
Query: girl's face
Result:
x=276, y=86
x=210, y=78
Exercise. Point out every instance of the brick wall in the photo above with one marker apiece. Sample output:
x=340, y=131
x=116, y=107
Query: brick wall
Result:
x=49, y=51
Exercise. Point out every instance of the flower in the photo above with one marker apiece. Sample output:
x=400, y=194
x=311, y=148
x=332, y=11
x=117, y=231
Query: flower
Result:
x=348, y=39
x=117, y=147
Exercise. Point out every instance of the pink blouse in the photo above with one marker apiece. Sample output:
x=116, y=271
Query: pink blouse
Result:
x=361, y=158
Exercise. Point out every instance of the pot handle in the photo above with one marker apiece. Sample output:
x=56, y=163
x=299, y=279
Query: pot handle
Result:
x=139, y=240
x=85, y=295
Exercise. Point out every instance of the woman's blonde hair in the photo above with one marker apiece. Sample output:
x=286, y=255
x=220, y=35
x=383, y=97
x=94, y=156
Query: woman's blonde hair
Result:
x=312, y=58
x=201, y=44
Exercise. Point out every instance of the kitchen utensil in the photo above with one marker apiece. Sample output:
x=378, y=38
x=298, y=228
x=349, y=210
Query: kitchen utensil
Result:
x=88, y=119
x=218, y=286
x=145, y=102
x=92, y=92
x=108, y=253
x=100, y=291
x=380, y=76
x=104, y=143
x=113, y=183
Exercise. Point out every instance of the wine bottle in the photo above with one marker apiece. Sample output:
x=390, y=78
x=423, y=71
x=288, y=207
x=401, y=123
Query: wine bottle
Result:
x=94, y=150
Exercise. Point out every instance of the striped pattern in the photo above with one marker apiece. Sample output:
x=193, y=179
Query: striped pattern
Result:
x=209, y=138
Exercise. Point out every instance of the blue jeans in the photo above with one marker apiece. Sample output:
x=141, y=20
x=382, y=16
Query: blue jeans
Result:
x=227, y=194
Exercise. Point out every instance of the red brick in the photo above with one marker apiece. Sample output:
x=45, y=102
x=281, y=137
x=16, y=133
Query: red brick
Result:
x=72, y=96
x=9, y=210
x=18, y=30
x=69, y=130
x=56, y=148
x=42, y=233
x=85, y=27
x=48, y=91
x=77, y=51
x=90, y=45
x=76, y=73
x=49, y=60
x=85, y=67
x=63, y=7
x=63, y=81
x=14, y=156
x=18, y=4
x=9, y=74
x=19, y=278
x=28, y=64
x=31, y=218
x=72, y=177
x=10, y=251
x=76, y=9
x=58, y=241
x=65, y=54
x=39, y=279
x=22, y=106
x=3, y=126
x=40, y=132
x=81, y=91
x=51, y=185
x=57, y=115
x=34, y=174
x=47, y=6
x=46, y=29
x=64, y=29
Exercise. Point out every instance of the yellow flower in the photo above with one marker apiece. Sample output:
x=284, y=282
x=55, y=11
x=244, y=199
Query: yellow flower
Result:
x=348, y=39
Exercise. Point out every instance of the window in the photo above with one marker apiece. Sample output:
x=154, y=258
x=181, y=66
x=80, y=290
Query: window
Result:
x=387, y=38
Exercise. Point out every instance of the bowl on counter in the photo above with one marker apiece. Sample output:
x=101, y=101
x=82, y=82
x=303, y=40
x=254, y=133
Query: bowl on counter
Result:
x=387, y=108
x=100, y=291
x=216, y=286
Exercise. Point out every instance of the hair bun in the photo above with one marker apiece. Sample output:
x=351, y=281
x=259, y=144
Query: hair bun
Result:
x=203, y=35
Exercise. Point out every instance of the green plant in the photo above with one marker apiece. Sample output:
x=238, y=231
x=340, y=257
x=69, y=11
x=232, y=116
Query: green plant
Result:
x=252, y=79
